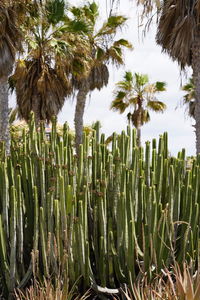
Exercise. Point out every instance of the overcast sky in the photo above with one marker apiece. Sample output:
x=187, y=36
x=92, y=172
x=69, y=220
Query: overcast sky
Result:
x=145, y=58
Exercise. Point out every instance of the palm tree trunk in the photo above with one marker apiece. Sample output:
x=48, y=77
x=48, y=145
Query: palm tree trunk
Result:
x=138, y=136
x=4, y=113
x=36, y=108
x=78, y=119
x=196, y=76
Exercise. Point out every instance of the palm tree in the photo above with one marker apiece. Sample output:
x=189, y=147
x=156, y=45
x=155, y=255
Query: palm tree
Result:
x=189, y=97
x=138, y=95
x=103, y=50
x=10, y=43
x=54, y=50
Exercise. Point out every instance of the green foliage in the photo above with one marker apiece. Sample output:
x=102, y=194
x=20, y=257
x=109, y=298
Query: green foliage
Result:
x=55, y=11
x=139, y=96
x=160, y=86
x=110, y=217
x=189, y=98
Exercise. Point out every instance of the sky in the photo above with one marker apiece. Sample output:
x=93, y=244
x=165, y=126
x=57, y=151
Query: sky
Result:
x=146, y=58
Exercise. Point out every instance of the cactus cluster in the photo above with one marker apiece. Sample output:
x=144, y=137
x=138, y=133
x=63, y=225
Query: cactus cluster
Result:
x=110, y=215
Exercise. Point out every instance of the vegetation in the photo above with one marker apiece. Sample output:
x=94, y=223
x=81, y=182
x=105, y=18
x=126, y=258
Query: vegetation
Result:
x=109, y=218
x=81, y=216
x=56, y=50
x=10, y=43
x=104, y=48
x=137, y=95
x=178, y=34
x=189, y=97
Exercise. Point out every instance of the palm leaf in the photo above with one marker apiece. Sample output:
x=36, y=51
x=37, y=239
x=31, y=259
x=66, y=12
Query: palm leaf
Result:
x=121, y=95
x=114, y=54
x=189, y=97
x=91, y=12
x=39, y=88
x=55, y=11
x=128, y=76
x=141, y=79
x=119, y=105
x=10, y=39
x=160, y=86
x=98, y=77
x=145, y=116
x=110, y=27
x=156, y=106
x=176, y=30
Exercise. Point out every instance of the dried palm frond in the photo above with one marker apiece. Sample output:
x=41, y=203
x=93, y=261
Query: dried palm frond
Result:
x=39, y=88
x=176, y=29
x=10, y=38
x=149, y=6
x=98, y=77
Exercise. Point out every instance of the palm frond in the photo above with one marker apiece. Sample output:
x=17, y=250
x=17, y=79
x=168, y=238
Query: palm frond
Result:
x=39, y=88
x=128, y=76
x=92, y=12
x=55, y=11
x=141, y=79
x=145, y=116
x=119, y=105
x=124, y=43
x=114, y=54
x=111, y=25
x=10, y=39
x=77, y=26
x=160, y=86
x=121, y=95
x=98, y=77
x=149, y=6
x=176, y=29
x=189, y=98
x=156, y=106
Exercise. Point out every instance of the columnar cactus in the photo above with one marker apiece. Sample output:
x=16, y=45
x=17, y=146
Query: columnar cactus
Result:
x=110, y=215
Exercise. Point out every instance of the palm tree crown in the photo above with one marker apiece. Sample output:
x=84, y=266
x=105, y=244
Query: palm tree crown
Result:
x=139, y=96
x=53, y=49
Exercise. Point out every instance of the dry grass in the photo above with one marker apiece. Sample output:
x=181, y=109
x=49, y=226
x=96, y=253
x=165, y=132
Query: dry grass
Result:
x=48, y=292
x=176, y=284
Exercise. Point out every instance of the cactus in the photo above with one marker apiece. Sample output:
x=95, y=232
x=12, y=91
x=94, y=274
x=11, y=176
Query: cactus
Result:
x=108, y=216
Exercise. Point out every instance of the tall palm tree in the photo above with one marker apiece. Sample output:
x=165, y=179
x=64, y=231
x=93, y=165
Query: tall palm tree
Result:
x=10, y=43
x=189, y=97
x=137, y=95
x=104, y=48
x=54, y=50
